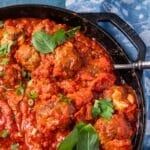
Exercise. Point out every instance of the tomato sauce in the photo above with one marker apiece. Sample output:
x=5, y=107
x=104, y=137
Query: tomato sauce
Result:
x=42, y=96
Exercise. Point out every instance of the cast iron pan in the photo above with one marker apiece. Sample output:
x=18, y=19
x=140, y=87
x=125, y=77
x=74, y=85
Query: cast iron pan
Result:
x=91, y=29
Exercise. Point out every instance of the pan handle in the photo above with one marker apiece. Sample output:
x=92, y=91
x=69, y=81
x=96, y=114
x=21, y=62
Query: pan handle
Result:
x=127, y=30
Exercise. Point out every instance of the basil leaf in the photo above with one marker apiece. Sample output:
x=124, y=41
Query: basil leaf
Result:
x=42, y=42
x=83, y=137
x=70, y=33
x=88, y=139
x=59, y=37
x=46, y=43
x=70, y=141
x=103, y=108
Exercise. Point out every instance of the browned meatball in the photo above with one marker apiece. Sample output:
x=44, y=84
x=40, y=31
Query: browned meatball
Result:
x=119, y=145
x=52, y=116
x=27, y=57
x=116, y=128
x=67, y=61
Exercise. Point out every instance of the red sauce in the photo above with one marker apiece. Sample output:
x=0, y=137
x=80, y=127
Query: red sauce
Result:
x=80, y=69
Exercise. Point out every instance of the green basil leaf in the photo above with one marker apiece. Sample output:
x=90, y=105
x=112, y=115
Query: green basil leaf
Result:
x=42, y=42
x=46, y=43
x=103, y=108
x=70, y=33
x=88, y=139
x=59, y=37
x=70, y=141
x=83, y=137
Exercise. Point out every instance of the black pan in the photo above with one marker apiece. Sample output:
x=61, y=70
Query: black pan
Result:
x=91, y=29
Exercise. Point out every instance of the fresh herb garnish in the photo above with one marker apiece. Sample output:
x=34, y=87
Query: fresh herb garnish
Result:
x=5, y=48
x=33, y=95
x=88, y=138
x=46, y=43
x=103, y=108
x=71, y=33
x=4, y=61
x=82, y=137
x=20, y=89
x=4, y=133
x=64, y=98
x=14, y=146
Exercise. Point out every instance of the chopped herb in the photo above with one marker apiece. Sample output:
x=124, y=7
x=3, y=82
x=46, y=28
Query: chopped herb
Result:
x=64, y=98
x=71, y=33
x=33, y=95
x=46, y=43
x=5, y=48
x=4, y=61
x=14, y=146
x=20, y=89
x=1, y=24
x=4, y=133
x=82, y=137
x=103, y=108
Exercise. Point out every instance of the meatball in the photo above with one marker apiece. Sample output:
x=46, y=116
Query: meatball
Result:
x=67, y=61
x=119, y=144
x=53, y=116
x=116, y=128
x=27, y=57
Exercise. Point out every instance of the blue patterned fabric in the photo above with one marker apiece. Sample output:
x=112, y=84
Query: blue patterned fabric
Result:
x=135, y=12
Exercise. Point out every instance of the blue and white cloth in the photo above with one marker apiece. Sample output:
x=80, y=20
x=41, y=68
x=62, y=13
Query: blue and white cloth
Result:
x=135, y=12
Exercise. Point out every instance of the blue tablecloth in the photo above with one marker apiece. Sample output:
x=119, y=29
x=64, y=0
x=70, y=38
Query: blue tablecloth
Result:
x=135, y=12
